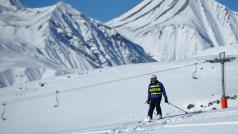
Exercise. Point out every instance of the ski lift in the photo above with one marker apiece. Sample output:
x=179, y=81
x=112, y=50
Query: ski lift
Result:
x=4, y=111
x=57, y=99
x=195, y=74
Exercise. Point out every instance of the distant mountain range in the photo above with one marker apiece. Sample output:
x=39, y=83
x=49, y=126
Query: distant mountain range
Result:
x=178, y=29
x=37, y=43
x=44, y=42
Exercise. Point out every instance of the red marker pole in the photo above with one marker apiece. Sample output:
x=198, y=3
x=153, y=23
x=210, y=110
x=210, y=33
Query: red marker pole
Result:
x=224, y=103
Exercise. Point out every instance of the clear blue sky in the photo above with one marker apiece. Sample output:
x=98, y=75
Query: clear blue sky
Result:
x=104, y=10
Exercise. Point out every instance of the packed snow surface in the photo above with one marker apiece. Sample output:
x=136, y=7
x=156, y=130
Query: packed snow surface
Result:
x=113, y=100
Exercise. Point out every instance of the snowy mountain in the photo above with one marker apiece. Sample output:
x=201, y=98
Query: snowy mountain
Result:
x=11, y=4
x=178, y=29
x=43, y=42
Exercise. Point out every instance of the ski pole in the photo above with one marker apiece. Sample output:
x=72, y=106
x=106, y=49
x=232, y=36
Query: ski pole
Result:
x=178, y=108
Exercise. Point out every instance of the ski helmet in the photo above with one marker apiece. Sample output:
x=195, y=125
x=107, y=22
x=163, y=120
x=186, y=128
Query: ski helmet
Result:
x=153, y=76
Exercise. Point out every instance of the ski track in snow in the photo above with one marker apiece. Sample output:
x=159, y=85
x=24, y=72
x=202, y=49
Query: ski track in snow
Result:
x=176, y=121
x=203, y=124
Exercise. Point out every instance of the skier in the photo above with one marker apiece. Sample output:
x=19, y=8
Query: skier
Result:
x=155, y=91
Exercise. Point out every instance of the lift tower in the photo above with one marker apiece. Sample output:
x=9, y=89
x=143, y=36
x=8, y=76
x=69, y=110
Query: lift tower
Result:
x=222, y=59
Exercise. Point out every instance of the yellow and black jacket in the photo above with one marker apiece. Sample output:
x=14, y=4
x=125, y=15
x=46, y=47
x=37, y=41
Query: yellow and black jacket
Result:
x=156, y=90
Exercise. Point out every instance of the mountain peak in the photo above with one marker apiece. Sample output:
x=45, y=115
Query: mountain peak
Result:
x=62, y=4
x=178, y=29
x=65, y=8
x=12, y=4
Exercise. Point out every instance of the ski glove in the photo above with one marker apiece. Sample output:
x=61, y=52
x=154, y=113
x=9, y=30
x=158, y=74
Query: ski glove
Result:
x=166, y=100
x=148, y=101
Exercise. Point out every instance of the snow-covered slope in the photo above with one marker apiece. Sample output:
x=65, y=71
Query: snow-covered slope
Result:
x=113, y=100
x=57, y=39
x=178, y=29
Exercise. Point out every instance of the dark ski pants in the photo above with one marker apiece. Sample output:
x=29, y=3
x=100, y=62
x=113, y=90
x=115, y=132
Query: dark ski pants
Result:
x=155, y=103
